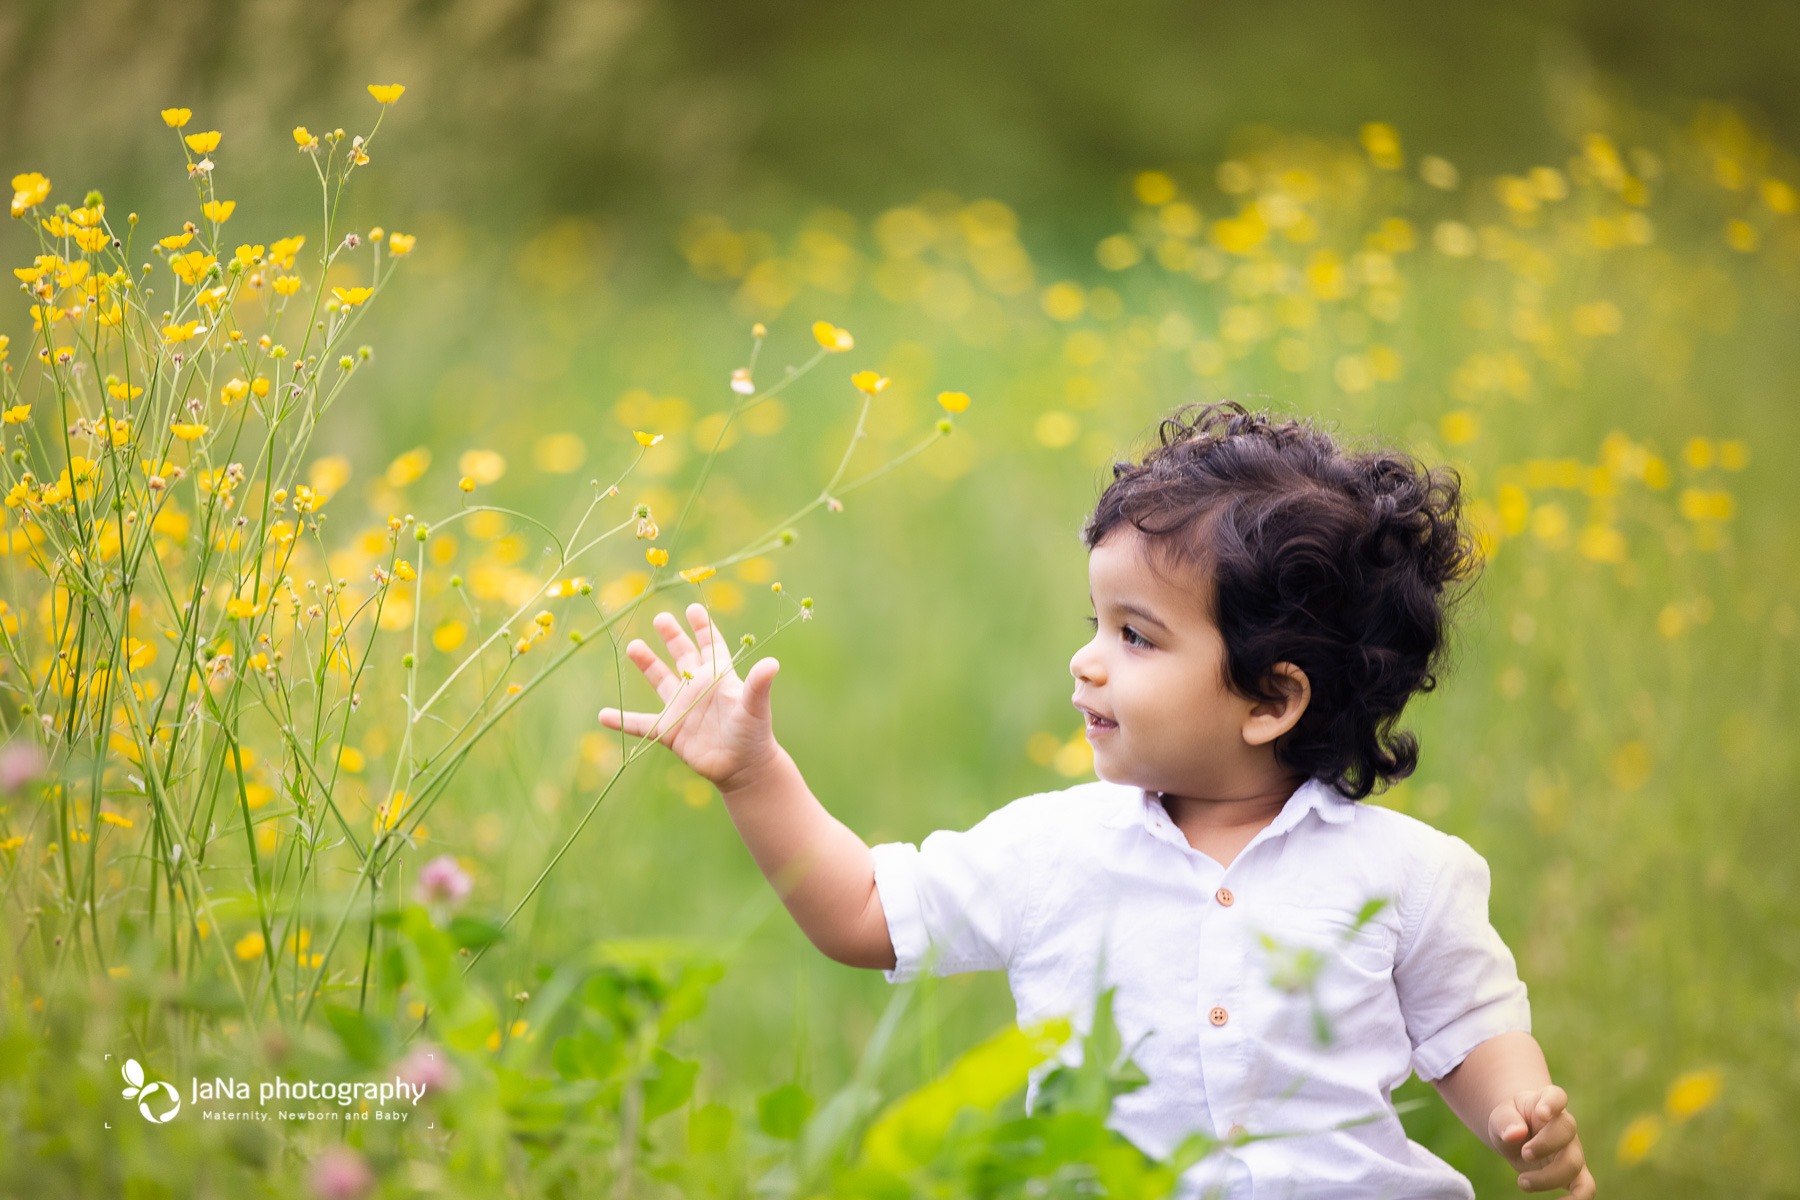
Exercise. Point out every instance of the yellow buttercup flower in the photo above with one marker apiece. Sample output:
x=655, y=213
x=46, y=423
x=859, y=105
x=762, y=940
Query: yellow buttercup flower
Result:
x=203, y=143
x=869, y=381
x=351, y=297
x=259, y=387
x=303, y=139
x=696, y=574
x=953, y=401
x=189, y=433
x=831, y=337
x=191, y=266
x=404, y=572
x=111, y=818
x=646, y=439
x=29, y=191
x=218, y=210
x=401, y=244
x=182, y=332
x=282, y=252
x=250, y=946
x=386, y=93
x=18, y=414
x=656, y=557
x=234, y=389
x=287, y=285
x=92, y=240
x=175, y=118
x=176, y=241
x=120, y=391
x=249, y=254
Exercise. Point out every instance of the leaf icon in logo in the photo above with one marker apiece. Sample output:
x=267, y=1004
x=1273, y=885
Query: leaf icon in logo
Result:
x=134, y=1075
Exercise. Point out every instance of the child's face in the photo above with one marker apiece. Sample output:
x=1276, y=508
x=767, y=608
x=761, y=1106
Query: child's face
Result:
x=1151, y=684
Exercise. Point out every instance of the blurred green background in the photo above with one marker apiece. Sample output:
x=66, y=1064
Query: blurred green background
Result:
x=607, y=194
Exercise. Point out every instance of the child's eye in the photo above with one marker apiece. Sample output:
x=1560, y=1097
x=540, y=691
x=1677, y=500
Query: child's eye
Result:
x=1133, y=637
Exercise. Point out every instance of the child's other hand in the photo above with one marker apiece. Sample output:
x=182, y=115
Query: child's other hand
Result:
x=715, y=722
x=1536, y=1132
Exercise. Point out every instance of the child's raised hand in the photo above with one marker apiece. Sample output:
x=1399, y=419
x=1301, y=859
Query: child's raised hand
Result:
x=715, y=722
x=1536, y=1132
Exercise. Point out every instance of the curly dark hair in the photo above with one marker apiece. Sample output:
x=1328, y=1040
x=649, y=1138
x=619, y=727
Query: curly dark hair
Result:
x=1345, y=564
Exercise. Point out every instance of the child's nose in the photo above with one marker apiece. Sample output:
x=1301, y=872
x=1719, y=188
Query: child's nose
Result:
x=1085, y=665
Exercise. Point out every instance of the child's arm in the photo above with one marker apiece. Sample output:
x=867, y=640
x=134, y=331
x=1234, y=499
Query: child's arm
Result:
x=822, y=870
x=1502, y=1091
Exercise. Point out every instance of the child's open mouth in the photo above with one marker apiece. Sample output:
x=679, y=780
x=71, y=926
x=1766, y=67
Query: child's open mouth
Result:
x=1098, y=724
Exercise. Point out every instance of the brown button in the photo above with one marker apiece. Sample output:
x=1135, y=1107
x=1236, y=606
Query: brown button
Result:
x=1224, y=897
x=1218, y=1016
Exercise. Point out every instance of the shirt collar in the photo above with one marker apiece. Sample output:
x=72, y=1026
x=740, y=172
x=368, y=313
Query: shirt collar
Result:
x=1138, y=806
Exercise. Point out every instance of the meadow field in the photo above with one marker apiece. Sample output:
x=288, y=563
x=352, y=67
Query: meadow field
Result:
x=328, y=514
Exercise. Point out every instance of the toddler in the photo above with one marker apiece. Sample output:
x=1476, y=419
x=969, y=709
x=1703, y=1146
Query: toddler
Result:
x=1265, y=603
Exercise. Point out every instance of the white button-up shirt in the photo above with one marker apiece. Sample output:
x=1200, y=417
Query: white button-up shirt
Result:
x=1071, y=892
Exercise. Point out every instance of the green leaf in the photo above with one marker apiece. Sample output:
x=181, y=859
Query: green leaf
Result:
x=474, y=934
x=670, y=1086
x=782, y=1112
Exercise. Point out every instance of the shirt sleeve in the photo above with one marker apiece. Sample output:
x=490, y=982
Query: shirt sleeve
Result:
x=1457, y=982
x=963, y=895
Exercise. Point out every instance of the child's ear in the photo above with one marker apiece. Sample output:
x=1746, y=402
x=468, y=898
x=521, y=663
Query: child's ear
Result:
x=1269, y=719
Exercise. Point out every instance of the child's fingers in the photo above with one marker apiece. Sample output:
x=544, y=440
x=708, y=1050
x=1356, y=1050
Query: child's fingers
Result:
x=1549, y=1140
x=656, y=672
x=756, y=689
x=714, y=650
x=1507, y=1126
x=637, y=724
x=1583, y=1188
x=1563, y=1171
x=681, y=646
x=1550, y=1101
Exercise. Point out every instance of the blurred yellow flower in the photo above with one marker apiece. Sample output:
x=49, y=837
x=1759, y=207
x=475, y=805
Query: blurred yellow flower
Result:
x=404, y=572
x=1383, y=144
x=287, y=285
x=466, y=484
x=303, y=139
x=203, y=143
x=1153, y=188
x=868, y=381
x=1694, y=1092
x=111, y=818
x=351, y=297
x=234, y=389
x=250, y=946
x=1640, y=1137
x=656, y=557
x=176, y=241
x=218, y=210
x=18, y=414
x=1460, y=428
x=189, y=433
x=697, y=574
x=401, y=244
x=248, y=254
x=483, y=466
x=409, y=467
x=351, y=759
x=181, y=332
x=259, y=387
x=831, y=337
x=953, y=401
x=646, y=439
x=449, y=636
x=175, y=118
x=386, y=93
